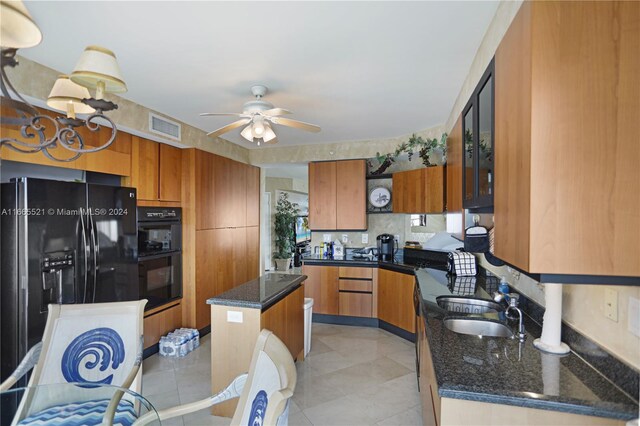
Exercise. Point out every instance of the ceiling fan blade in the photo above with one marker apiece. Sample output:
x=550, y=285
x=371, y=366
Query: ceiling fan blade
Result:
x=237, y=114
x=295, y=123
x=229, y=127
x=276, y=111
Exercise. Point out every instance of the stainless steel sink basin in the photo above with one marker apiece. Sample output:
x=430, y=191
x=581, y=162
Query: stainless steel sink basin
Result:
x=478, y=327
x=468, y=305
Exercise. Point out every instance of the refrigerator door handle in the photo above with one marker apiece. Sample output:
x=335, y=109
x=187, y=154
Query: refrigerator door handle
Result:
x=85, y=248
x=96, y=254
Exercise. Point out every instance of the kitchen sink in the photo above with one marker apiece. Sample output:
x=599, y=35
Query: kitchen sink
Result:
x=478, y=327
x=468, y=305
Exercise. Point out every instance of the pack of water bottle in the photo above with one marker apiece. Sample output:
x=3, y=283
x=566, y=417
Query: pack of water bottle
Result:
x=179, y=342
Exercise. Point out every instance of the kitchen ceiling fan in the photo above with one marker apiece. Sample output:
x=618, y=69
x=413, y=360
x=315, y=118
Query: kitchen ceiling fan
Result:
x=258, y=115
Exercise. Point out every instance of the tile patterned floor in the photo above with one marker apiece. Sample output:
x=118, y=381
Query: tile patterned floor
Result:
x=352, y=376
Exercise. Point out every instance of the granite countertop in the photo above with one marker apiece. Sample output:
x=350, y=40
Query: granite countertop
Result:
x=260, y=293
x=368, y=262
x=505, y=371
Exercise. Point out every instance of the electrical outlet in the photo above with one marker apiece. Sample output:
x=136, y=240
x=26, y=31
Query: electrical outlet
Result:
x=611, y=304
x=634, y=316
x=365, y=238
x=345, y=238
x=326, y=238
x=397, y=237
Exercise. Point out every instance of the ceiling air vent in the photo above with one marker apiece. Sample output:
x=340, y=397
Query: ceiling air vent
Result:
x=164, y=127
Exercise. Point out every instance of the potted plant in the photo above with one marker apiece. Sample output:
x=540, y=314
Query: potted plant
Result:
x=285, y=216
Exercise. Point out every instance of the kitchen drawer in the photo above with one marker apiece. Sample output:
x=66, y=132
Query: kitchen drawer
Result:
x=356, y=304
x=354, y=272
x=355, y=285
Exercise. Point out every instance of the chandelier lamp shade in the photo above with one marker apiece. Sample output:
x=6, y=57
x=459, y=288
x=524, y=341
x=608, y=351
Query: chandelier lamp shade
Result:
x=97, y=70
x=67, y=96
x=18, y=27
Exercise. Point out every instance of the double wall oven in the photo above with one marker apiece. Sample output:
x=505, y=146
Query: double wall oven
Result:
x=159, y=254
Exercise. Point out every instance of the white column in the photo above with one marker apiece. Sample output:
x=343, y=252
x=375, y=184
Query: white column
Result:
x=550, y=341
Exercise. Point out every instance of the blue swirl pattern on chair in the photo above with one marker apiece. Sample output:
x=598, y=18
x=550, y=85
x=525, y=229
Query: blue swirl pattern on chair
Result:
x=105, y=348
x=258, y=409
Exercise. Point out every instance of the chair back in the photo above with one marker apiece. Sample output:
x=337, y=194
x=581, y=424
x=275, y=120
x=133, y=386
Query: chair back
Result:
x=270, y=384
x=89, y=344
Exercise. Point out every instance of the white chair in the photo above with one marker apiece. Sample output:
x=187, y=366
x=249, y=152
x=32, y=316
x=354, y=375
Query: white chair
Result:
x=102, y=344
x=264, y=392
x=88, y=344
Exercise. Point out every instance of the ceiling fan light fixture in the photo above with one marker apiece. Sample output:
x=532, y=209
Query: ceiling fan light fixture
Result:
x=269, y=134
x=247, y=133
x=258, y=128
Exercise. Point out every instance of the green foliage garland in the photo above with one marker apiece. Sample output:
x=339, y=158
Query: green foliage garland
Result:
x=415, y=143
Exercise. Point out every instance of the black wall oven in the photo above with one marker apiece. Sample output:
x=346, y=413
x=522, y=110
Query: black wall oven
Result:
x=159, y=254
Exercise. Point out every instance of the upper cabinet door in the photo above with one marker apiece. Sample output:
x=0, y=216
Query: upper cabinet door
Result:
x=477, y=128
x=468, y=149
x=144, y=168
x=351, y=203
x=170, y=173
x=205, y=199
x=230, y=193
x=322, y=195
x=485, y=144
x=253, y=196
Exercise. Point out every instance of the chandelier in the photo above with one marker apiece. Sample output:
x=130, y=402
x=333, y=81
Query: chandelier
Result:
x=97, y=69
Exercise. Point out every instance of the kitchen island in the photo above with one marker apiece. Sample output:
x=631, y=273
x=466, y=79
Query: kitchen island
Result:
x=272, y=301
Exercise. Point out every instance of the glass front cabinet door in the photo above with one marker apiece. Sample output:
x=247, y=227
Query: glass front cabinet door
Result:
x=477, y=128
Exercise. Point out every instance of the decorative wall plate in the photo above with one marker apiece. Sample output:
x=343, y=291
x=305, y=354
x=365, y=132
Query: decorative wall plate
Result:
x=379, y=197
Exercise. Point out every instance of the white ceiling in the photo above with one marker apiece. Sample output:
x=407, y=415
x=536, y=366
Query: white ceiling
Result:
x=360, y=70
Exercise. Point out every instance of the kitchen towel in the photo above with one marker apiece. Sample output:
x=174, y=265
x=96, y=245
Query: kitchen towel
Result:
x=464, y=264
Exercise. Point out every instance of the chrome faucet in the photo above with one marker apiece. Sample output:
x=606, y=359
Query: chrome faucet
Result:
x=513, y=305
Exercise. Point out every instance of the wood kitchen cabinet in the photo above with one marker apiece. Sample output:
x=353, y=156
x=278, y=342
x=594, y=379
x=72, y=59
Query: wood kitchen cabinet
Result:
x=228, y=192
x=160, y=321
x=357, y=288
x=419, y=191
x=225, y=258
x=566, y=149
x=221, y=205
x=322, y=286
x=322, y=195
x=116, y=159
x=156, y=170
x=395, y=299
x=252, y=194
x=337, y=195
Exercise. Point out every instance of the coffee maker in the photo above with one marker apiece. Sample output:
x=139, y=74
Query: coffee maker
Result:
x=386, y=247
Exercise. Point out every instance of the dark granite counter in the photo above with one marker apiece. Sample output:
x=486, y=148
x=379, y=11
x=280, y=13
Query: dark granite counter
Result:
x=505, y=371
x=350, y=260
x=260, y=293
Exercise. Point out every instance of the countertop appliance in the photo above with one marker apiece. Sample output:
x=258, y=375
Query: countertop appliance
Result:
x=160, y=257
x=387, y=247
x=62, y=242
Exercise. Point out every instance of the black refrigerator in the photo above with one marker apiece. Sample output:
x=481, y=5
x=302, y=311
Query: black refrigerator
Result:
x=61, y=242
